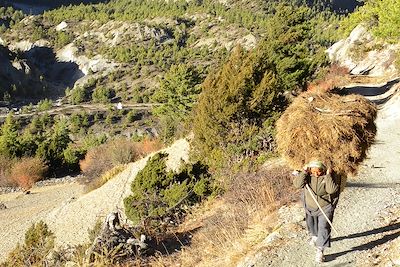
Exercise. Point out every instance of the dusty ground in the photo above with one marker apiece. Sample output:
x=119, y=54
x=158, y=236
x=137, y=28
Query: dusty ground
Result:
x=22, y=210
x=367, y=217
x=68, y=212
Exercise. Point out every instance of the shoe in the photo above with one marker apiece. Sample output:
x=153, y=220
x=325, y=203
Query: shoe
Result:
x=313, y=240
x=319, y=257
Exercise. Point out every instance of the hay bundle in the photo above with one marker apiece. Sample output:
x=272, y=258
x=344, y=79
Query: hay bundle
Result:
x=337, y=130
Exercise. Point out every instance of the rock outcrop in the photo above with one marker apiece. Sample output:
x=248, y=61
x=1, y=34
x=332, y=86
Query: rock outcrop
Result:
x=86, y=65
x=363, y=54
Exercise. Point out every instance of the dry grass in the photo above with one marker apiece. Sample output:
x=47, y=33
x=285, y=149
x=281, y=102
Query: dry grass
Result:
x=147, y=146
x=104, y=162
x=337, y=130
x=104, y=178
x=336, y=76
x=26, y=171
x=225, y=232
x=104, y=157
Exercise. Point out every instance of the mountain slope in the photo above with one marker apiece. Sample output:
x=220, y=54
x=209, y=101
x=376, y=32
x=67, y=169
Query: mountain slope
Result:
x=67, y=211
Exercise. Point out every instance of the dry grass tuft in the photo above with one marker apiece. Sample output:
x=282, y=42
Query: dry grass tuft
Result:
x=104, y=162
x=336, y=76
x=240, y=221
x=26, y=171
x=337, y=130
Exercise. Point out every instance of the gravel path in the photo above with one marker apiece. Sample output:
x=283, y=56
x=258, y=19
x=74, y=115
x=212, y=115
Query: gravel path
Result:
x=22, y=210
x=367, y=212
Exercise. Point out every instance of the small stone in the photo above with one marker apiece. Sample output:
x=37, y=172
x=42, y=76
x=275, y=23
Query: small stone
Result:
x=272, y=237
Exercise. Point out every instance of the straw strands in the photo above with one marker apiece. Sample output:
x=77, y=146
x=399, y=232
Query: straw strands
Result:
x=337, y=130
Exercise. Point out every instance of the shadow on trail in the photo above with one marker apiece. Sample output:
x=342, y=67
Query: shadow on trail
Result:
x=373, y=185
x=370, y=91
x=370, y=244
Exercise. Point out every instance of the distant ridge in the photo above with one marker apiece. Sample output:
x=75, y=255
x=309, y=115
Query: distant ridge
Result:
x=339, y=6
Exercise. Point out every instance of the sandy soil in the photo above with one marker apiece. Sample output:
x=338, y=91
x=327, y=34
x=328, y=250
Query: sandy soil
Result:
x=22, y=210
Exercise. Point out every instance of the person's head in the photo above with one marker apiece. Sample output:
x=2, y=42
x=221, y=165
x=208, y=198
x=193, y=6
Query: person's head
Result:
x=316, y=171
x=317, y=168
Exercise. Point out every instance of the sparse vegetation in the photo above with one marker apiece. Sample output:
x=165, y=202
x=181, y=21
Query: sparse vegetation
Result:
x=157, y=192
x=26, y=171
x=39, y=241
x=240, y=219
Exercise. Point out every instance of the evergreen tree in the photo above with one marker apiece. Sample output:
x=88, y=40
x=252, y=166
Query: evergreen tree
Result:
x=237, y=107
x=9, y=140
x=178, y=92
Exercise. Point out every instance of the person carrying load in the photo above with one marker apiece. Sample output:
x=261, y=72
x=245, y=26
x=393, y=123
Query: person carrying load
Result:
x=319, y=198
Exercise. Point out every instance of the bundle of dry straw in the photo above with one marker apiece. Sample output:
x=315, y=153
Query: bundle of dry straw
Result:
x=337, y=130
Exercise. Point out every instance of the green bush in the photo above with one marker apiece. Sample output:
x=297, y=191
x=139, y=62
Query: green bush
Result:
x=44, y=105
x=102, y=94
x=380, y=16
x=39, y=241
x=156, y=191
x=78, y=95
x=235, y=116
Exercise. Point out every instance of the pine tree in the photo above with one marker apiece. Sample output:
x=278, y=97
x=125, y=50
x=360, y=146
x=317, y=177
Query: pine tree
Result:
x=9, y=139
x=236, y=107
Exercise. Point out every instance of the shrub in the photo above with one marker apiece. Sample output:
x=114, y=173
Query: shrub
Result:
x=131, y=116
x=39, y=241
x=5, y=167
x=330, y=78
x=44, y=105
x=26, y=171
x=104, y=178
x=234, y=117
x=147, y=146
x=105, y=157
x=9, y=141
x=156, y=191
x=102, y=94
x=78, y=95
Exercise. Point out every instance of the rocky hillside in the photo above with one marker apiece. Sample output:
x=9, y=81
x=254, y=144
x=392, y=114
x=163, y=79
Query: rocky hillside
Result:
x=364, y=54
x=103, y=79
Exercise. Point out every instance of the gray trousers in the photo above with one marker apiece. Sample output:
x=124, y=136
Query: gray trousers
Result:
x=318, y=226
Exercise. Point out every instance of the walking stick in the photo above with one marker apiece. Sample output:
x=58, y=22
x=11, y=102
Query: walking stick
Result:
x=316, y=202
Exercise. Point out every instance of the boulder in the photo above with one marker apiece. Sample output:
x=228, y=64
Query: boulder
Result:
x=62, y=26
x=115, y=236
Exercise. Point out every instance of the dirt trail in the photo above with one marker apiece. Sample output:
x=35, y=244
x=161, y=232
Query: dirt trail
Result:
x=22, y=210
x=364, y=217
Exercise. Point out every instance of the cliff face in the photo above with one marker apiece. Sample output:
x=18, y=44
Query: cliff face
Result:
x=18, y=74
x=35, y=72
